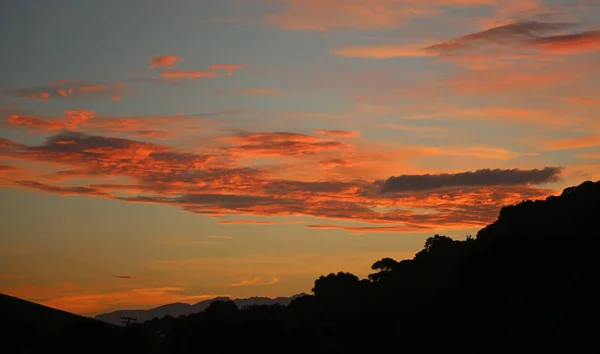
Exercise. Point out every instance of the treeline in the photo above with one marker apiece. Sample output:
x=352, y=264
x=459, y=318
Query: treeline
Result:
x=526, y=283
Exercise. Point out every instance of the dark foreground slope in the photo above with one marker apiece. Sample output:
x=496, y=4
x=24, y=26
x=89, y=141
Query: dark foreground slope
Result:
x=27, y=327
x=24, y=313
x=526, y=284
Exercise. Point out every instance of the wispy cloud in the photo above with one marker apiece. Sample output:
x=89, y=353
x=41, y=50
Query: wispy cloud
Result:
x=371, y=229
x=215, y=71
x=325, y=15
x=254, y=92
x=575, y=43
x=165, y=61
x=510, y=34
x=71, y=90
x=220, y=237
x=339, y=133
x=383, y=51
x=72, y=120
x=182, y=241
x=178, y=74
x=254, y=222
x=282, y=144
x=516, y=40
x=229, y=68
x=259, y=281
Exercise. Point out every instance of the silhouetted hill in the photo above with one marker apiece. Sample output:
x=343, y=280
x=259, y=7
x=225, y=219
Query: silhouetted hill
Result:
x=25, y=313
x=28, y=327
x=181, y=309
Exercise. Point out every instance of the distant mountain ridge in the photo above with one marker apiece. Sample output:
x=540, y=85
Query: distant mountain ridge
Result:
x=180, y=309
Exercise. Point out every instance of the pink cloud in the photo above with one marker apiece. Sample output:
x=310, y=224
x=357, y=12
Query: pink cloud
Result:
x=577, y=43
x=72, y=120
x=323, y=15
x=71, y=89
x=177, y=74
x=383, y=51
x=259, y=281
x=254, y=92
x=370, y=229
x=229, y=68
x=164, y=61
x=254, y=222
x=339, y=133
x=282, y=144
x=333, y=163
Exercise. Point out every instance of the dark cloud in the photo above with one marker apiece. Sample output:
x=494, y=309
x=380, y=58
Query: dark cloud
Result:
x=486, y=177
x=506, y=34
x=124, y=277
x=569, y=43
x=63, y=190
x=6, y=168
x=282, y=144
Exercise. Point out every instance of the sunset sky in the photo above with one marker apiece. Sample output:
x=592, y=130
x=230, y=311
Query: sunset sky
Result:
x=172, y=151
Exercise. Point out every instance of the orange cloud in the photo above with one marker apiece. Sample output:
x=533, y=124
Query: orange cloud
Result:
x=155, y=134
x=481, y=83
x=164, y=61
x=71, y=89
x=254, y=92
x=220, y=237
x=64, y=191
x=177, y=74
x=72, y=120
x=255, y=282
x=92, y=88
x=383, y=51
x=575, y=143
x=322, y=15
x=369, y=229
x=498, y=115
x=281, y=144
x=214, y=72
x=577, y=43
x=494, y=38
x=254, y=222
x=66, y=92
x=7, y=168
x=333, y=163
x=583, y=100
x=63, y=82
x=338, y=133
x=229, y=68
